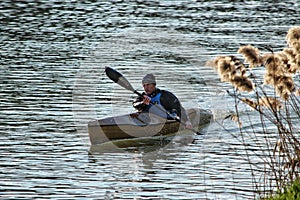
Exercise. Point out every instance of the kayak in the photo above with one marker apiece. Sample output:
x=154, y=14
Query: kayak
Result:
x=142, y=125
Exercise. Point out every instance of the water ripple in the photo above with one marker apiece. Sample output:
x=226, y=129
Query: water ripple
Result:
x=52, y=82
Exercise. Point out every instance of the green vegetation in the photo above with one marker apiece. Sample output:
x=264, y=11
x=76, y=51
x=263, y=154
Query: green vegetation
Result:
x=290, y=193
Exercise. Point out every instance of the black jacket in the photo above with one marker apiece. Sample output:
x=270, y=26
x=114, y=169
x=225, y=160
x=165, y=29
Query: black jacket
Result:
x=168, y=101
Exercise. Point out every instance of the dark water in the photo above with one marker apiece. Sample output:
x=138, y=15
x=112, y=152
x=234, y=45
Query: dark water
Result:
x=52, y=80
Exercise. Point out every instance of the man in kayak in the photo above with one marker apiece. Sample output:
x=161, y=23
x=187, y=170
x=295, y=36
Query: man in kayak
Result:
x=163, y=100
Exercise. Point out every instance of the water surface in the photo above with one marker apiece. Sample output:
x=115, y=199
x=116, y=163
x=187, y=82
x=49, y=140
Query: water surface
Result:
x=52, y=80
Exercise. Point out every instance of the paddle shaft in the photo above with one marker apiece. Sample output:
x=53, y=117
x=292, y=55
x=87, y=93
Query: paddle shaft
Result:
x=123, y=82
x=169, y=114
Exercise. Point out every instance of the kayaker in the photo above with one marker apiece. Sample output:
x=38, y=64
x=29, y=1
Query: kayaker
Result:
x=162, y=98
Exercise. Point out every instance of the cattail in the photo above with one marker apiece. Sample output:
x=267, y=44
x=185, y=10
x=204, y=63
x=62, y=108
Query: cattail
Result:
x=270, y=102
x=285, y=86
x=284, y=94
x=297, y=61
x=268, y=79
x=273, y=63
x=288, y=82
x=239, y=66
x=286, y=66
x=271, y=79
x=242, y=83
x=250, y=102
x=235, y=118
x=251, y=55
x=297, y=92
x=225, y=66
x=293, y=38
x=214, y=63
x=226, y=69
x=274, y=68
x=283, y=83
x=290, y=53
x=293, y=59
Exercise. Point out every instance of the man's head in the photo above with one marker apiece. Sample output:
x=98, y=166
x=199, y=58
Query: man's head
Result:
x=149, y=83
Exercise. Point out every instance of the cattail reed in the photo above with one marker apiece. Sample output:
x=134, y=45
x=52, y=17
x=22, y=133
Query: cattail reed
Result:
x=273, y=70
x=270, y=102
x=293, y=38
x=242, y=83
x=285, y=86
x=277, y=74
x=286, y=66
x=273, y=96
x=251, y=55
x=226, y=68
x=297, y=62
x=292, y=60
x=250, y=102
x=279, y=66
x=297, y=92
x=273, y=64
x=232, y=70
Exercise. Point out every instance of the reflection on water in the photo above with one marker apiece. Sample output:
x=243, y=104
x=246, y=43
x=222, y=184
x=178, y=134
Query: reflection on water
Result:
x=52, y=82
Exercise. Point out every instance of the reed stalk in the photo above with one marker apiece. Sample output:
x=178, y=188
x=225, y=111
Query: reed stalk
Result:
x=274, y=99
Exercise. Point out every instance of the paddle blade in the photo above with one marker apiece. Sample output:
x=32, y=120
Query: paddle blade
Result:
x=118, y=78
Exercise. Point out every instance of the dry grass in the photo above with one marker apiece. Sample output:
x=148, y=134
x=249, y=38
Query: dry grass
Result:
x=274, y=97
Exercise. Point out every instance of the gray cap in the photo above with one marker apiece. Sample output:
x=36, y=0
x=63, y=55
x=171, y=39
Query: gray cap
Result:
x=149, y=79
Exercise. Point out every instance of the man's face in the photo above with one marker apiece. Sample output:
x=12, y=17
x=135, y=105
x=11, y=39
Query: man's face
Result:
x=149, y=88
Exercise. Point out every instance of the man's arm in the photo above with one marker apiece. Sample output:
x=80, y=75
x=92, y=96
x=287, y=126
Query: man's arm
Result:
x=169, y=101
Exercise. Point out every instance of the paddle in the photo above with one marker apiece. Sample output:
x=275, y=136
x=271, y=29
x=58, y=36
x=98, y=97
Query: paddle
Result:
x=118, y=78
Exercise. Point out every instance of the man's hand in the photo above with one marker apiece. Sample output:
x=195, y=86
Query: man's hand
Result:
x=146, y=100
x=188, y=125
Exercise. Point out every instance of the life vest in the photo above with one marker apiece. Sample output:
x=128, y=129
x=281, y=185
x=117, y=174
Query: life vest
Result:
x=154, y=100
x=155, y=107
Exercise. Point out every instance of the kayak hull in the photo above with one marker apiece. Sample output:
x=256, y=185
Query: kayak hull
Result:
x=141, y=125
